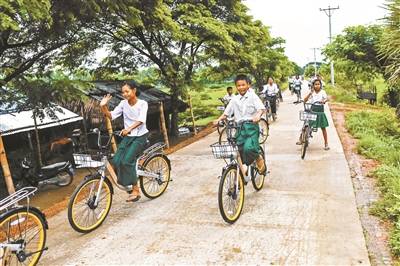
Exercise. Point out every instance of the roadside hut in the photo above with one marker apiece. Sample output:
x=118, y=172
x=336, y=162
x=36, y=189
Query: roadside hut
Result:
x=93, y=118
x=17, y=130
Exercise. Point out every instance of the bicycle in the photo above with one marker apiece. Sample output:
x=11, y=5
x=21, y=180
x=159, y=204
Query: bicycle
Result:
x=297, y=91
x=264, y=131
x=22, y=230
x=269, y=98
x=233, y=178
x=221, y=125
x=306, y=131
x=91, y=201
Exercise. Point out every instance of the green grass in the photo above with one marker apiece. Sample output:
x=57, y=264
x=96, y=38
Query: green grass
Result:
x=379, y=138
x=205, y=102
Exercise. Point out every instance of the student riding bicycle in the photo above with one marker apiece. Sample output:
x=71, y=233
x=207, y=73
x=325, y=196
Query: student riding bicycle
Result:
x=246, y=106
x=271, y=92
x=135, y=135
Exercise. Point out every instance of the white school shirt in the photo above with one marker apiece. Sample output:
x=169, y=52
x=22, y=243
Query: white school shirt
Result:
x=227, y=98
x=270, y=89
x=132, y=114
x=321, y=96
x=244, y=107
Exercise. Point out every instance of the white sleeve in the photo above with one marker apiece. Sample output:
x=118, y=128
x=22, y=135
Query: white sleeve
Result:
x=264, y=90
x=117, y=112
x=143, y=112
x=258, y=103
x=229, y=108
x=324, y=96
x=276, y=90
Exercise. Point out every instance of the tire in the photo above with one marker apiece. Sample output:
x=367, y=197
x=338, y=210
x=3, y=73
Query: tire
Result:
x=264, y=130
x=66, y=178
x=256, y=179
x=229, y=196
x=157, y=163
x=223, y=136
x=27, y=228
x=84, y=197
x=304, y=141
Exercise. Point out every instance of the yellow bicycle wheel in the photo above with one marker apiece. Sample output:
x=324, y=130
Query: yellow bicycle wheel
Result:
x=153, y=187
x=231, y=195
x=26, y=232
x=85, y=211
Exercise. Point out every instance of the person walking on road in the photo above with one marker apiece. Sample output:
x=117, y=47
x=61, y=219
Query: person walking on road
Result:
x=135, y=135
x=246, y=106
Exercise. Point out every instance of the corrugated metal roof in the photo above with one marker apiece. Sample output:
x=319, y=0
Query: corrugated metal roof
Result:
x=12, y=123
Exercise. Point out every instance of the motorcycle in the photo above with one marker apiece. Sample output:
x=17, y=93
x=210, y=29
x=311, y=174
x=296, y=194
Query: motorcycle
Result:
x=60, y=174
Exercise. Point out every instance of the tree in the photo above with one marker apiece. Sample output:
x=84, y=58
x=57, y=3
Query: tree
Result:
x=35, y=36
x=390, y=43
x=356, y=51
x=175, y=36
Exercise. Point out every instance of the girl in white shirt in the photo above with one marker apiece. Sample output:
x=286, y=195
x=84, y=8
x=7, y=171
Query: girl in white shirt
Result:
x=135, y=135
x=317, y=95
x=271, y=92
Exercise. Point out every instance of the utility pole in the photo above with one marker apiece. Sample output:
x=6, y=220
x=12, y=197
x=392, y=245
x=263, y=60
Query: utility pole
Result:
x=328, y=12
x=315, y=60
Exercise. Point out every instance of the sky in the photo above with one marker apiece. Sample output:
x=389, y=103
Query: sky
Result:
x=304, y=27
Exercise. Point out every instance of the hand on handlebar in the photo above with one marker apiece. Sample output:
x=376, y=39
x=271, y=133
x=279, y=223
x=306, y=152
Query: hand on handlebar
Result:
x=124, y=132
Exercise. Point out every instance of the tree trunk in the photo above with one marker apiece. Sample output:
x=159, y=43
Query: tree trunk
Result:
x=39, y=150
x=192, y=115
x=174, y=117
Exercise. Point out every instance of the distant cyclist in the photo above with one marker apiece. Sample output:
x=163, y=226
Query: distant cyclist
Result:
x=271, y=92
x=297, y=87
x=228, y=96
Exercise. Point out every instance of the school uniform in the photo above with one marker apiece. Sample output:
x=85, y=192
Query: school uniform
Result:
x=244, y=107
x=271, y=92
x=322, y=121
x=133, y=144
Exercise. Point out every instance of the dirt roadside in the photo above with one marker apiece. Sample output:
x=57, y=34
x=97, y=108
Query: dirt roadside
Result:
x=365, y=188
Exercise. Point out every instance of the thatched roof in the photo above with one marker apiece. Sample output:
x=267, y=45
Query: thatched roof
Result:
x=151, y=95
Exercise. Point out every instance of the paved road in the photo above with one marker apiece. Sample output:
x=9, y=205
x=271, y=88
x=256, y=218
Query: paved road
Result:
x=306, y=213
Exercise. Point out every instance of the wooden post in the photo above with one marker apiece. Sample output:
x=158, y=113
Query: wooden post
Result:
x=163, y=127
x=191, y=113
x=39, y=150
x=110, y=131
x=6, y=168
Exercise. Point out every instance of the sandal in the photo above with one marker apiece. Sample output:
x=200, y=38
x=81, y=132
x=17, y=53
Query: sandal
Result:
x=327, y=148
x=135, y=195
x=133, y=198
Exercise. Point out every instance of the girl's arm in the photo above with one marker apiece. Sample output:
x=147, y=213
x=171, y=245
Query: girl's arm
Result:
x=308, y=97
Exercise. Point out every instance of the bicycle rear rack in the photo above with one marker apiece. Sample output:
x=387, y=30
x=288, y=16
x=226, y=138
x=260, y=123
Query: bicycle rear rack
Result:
x=14, y=198
x=155, y=147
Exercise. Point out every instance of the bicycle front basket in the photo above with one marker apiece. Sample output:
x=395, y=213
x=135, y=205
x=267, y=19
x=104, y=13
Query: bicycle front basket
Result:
x=88, y=159
x=224, y=150
x=307, y=116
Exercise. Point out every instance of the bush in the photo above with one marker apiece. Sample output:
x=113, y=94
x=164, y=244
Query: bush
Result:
x=379, y=138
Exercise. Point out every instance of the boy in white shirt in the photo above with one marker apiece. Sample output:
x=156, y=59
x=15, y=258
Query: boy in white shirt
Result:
x=246, y=106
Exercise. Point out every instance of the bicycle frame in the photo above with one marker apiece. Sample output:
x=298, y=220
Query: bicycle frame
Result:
x=139, y=171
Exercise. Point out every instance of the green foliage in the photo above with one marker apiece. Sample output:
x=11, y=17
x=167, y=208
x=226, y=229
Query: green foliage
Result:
x=390, y=42
x=379, y=138
x=341, y=94
x=355, y=52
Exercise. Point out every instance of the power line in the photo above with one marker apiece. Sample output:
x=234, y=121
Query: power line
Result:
x=328, y=12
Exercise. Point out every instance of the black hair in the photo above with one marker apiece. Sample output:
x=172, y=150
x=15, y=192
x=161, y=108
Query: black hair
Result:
x=270, y=77
x=229, y=88
x=132, y=85
x=242, y=77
